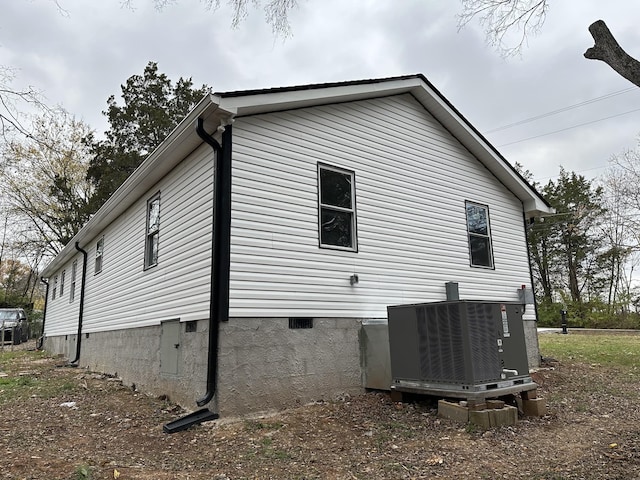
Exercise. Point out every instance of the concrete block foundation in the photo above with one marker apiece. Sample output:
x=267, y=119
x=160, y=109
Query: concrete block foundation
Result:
x=262, y=363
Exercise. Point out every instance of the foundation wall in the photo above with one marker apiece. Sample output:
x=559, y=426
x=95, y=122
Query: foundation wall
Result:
x=263, y=364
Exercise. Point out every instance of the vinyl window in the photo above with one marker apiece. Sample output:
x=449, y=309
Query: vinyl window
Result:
x=74, y=273
x=62, y=277
x=99, y=255
x=55, y=288
x=336, y=208
x=479, y=235
x=153, y=231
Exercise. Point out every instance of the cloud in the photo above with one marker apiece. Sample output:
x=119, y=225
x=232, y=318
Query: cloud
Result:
x=81, y=59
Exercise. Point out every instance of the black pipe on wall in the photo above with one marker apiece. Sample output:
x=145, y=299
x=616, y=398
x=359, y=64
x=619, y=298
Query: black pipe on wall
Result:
x=40, y=341
x=221, y=250
x=81, y=311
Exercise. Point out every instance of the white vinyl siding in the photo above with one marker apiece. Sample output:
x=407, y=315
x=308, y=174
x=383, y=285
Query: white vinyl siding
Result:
x=413, y=180
x=125, y=295
x=62, y=316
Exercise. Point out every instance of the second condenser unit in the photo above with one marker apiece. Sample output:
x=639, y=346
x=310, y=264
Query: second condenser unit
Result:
x=458, y=348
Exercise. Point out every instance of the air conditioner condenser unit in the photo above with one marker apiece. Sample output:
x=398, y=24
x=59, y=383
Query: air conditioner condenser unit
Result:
x=468, y=349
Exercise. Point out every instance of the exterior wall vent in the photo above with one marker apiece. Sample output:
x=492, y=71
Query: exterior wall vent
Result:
x=300, y=322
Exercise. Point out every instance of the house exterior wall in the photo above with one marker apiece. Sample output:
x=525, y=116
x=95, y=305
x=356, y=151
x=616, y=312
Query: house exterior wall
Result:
x=125, y=295
x=412, y=179
x=62, y=311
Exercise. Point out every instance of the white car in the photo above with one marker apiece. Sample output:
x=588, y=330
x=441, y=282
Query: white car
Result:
x=15, y=325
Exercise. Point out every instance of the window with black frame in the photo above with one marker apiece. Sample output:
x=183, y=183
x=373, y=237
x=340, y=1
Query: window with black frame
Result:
x=479, y=234
x=72, y=289
x=99, y=251
x=336, y=208
x=153, y=231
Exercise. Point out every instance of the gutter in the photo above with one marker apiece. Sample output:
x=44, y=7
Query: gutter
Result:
x=81, y=312
x=220, y=267
x=40, y=340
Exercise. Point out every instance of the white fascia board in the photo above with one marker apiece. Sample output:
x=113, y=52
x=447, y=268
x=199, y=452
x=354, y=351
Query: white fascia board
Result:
x=273, y=101
x=173, y=149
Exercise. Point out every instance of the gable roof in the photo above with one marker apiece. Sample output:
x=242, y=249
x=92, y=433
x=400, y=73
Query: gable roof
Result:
x=251, y=102
x=221, y=107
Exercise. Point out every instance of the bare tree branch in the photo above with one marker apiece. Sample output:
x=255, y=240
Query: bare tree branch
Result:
x=12, y=102
x=276, y=11
x=608, y=50
x=501, y=17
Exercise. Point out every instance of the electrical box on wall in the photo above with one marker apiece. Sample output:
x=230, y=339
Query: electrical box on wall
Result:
x=458, y=348
x=526, y=295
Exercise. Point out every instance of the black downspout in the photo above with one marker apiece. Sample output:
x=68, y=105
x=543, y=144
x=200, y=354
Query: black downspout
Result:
x=40, y=340
x=527, y=226
x=221, y=246
x=220, y=261
x=81, y=312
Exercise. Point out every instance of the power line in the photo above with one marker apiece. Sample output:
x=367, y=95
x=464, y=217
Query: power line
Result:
x=561, y=110
x=569, y=128
x=574, y=171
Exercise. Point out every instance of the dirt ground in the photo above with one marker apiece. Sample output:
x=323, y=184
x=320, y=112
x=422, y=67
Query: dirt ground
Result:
x=74, y=424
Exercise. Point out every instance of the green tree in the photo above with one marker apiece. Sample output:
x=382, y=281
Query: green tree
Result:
x=567, y=247
x=544, y=264
x=152, y=107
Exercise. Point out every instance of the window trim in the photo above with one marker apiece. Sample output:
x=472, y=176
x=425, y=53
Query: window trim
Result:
x=488, y=236
x=353, y=210
x=99, y=260
x=149, y=236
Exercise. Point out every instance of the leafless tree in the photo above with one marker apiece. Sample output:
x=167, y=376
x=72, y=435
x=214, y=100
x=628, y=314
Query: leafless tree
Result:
x=525, y=17
x=502, y=17
x=13, y=103
x=276, y=11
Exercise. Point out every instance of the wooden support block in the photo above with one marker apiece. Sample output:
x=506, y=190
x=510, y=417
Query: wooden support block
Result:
x=453, y=411
x=535, y=407
x=529, y=394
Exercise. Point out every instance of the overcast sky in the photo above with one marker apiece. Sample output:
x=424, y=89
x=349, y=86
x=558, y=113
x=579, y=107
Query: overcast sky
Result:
x=81, y=57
